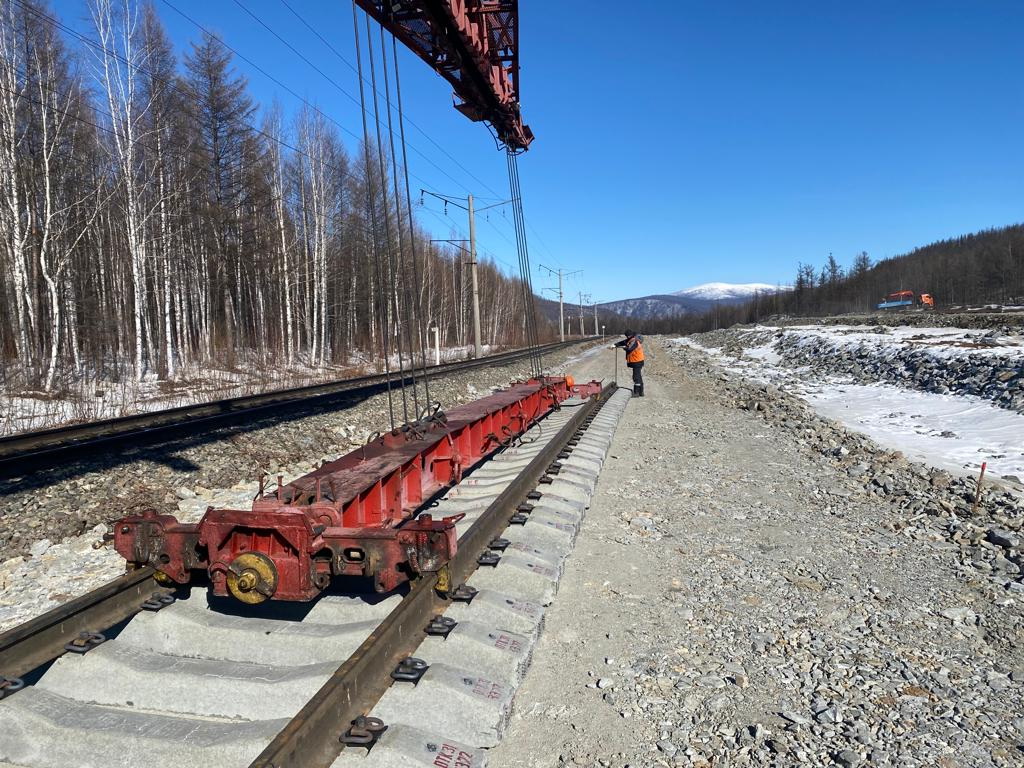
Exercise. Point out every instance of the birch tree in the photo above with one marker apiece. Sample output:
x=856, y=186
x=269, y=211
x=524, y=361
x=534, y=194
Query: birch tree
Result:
x=119, y=64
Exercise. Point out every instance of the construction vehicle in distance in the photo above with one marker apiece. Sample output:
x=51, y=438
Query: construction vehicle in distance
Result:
x=907, y=300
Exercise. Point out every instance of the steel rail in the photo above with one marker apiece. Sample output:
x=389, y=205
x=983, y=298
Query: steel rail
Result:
x=312, y=737
x=33, y=450
x=41, y=640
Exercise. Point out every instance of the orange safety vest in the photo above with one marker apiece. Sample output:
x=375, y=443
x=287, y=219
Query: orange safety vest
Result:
x=637, y=355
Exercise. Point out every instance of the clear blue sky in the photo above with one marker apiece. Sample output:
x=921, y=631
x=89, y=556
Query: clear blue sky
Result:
x=686, y=141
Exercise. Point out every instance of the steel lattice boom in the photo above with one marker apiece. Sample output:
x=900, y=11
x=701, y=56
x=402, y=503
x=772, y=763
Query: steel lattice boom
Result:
x=474, y=45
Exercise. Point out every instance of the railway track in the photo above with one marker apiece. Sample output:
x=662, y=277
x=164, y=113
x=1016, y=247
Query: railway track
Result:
x=200, y=681
x=35, y=450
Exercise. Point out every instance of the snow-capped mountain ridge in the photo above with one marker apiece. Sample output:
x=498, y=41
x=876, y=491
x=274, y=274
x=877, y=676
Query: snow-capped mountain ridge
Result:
x=700, y=298
x=730, y=291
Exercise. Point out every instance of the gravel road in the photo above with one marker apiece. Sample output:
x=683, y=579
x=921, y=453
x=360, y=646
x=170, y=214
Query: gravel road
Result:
x=756, y=586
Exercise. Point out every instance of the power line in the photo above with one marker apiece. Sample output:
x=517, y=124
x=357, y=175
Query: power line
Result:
x=276, y=139
x=429, y=138
x=349, y=64
x=202, y=168
x=462, y=233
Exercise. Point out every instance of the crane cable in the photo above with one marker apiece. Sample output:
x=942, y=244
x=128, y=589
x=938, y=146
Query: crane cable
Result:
x=526, y=279
x=417, y=287
x=372, y=210
x=411, y=318
x=389, y=253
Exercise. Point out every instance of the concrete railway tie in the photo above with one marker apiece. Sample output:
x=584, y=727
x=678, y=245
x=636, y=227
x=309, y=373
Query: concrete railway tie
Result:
x=201, y=684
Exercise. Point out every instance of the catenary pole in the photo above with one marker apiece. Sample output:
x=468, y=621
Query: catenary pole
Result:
x=477, y=352
x=561, y=274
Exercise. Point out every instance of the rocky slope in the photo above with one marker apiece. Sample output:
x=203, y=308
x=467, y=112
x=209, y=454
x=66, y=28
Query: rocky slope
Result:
x=974, y=366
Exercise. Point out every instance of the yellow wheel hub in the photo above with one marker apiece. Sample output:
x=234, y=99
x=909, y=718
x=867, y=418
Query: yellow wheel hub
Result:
x=252, y=577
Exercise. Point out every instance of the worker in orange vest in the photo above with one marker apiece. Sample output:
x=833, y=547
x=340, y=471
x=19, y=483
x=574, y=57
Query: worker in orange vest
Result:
x=633, y=344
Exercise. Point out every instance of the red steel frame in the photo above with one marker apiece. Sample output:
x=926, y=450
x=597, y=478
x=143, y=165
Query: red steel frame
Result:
x=474, y=45
x=352, y=516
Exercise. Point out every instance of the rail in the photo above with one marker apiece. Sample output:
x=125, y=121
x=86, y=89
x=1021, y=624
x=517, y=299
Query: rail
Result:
x=44, y=638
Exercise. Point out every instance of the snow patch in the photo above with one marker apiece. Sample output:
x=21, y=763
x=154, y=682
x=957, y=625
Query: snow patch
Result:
x=953, y=432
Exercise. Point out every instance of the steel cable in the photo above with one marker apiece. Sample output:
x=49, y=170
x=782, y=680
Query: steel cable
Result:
x=367, y=170
x=529, y=306
x=407, y=310
x=390, y=253
x=412, y=227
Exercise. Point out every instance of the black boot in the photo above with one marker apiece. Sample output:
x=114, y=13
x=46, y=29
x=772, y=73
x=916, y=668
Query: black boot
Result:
x=638, y=390
x=641, y=390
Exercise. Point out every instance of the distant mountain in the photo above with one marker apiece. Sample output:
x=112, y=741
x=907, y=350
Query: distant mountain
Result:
x=606, y=315
x=657, y=306
x=696, y=300
x=730, y=292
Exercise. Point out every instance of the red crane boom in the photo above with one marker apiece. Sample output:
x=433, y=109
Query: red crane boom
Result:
x=474, y=45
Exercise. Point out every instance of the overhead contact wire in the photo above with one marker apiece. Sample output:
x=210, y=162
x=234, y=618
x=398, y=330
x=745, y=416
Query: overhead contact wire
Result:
x=427, y=136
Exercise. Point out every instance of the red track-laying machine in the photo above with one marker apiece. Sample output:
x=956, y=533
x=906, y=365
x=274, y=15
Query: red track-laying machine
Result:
x=355, y=516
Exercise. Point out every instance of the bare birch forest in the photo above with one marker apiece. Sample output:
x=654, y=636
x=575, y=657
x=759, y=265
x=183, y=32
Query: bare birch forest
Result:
x=155, y=220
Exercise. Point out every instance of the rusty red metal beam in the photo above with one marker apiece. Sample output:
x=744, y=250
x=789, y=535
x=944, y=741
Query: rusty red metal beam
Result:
x=474, y=45
x=351, y=517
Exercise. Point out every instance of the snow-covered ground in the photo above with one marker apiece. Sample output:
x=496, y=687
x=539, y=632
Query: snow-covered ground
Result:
x=584, y=355
x=953, y=432
x=949, y=431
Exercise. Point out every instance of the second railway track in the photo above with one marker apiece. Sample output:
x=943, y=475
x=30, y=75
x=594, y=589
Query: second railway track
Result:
x=201, y=682
x=30, y=451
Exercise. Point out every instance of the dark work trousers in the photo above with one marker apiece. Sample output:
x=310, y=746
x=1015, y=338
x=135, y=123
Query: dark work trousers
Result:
x=638, y=379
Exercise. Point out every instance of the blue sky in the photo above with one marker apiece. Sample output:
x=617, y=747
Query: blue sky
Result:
x=684, y=141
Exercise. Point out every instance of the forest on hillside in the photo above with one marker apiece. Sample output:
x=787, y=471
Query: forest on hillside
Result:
x=153, y=218
x=982, y=268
